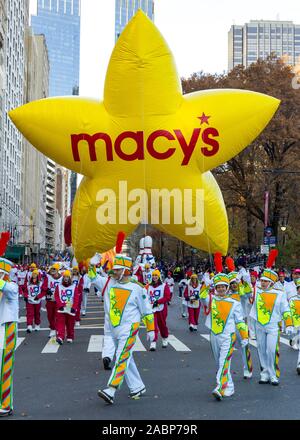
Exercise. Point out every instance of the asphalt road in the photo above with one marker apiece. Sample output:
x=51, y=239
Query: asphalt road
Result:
x=61, y=382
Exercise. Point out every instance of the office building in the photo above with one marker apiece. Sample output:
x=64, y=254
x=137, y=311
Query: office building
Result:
x=261, y=38
x=125, y=10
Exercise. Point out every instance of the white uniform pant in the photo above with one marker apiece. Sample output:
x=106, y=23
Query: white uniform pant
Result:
x=250, y=321
x=246, y=354
x=268, y=338
x=222, y=348
x=84, y=300
x=125, y=366
x=296, y=340
x=184, y=310
x=109, y=348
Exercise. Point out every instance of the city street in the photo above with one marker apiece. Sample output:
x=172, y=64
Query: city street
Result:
x=61, y=382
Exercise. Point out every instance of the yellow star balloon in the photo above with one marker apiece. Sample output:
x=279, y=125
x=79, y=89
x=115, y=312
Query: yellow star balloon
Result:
x=146, y=150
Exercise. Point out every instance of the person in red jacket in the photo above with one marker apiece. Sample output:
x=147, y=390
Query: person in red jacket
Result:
x=159, y=295
x=191, y=295
x=77, y=279
x=66, y=297
x=32, y=296
x=53, y=278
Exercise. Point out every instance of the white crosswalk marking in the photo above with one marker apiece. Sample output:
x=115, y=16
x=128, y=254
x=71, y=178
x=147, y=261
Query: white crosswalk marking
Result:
x=138, y=346
x=22, y=319
x=95, y=344
x=178, y=345
x=285, y=341
x=207, y=337
x=51, y=347
x=19, y=342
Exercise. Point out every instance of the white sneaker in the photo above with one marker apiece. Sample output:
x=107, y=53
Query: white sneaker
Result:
x=70, y=341
x=153, y=346
x=43, y=309
x=52, y=333
x=37, y=328
x=29, y=328
x=228, y=393
x=77, y=324
x=83, y=314
x=216, y=393
x=247, y=375
x=165, y=342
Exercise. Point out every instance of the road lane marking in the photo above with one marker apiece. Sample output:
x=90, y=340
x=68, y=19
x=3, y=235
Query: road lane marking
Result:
x=51, y=347
x=95, y=343
x=207, y=337
x=19, y=342
x=178, y=345
x=138, y=346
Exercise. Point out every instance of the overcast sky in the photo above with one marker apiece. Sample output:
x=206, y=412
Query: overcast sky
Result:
x=196, y=31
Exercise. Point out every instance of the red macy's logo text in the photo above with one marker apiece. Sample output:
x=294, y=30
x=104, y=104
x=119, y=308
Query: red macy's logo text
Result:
x=210, y=144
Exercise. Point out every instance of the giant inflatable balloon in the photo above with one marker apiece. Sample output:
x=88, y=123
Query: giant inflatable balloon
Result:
x=146, y=151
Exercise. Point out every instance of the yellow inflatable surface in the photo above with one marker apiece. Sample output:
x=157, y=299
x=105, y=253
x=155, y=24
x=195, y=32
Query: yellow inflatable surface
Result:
x=146, y=150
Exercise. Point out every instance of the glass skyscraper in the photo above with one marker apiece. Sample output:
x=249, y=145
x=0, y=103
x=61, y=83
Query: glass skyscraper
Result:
x=260, y=39
x=125, y=10
x=59, y=21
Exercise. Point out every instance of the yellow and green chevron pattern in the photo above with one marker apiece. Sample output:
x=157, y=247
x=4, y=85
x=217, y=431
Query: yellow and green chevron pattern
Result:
x=225, y=369
x=121, y=364
x=7, y=366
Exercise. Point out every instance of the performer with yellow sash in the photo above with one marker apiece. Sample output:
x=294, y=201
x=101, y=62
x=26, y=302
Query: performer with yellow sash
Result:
x=126, y=304
x=224, y=317
x=269, y=308
x=294, y=303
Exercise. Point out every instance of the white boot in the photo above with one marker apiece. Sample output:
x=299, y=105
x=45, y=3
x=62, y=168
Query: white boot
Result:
x=29, y=328
x=165, y=342
x=77, y=324
x=37, y=328
x=153, y=346
x=247, y=374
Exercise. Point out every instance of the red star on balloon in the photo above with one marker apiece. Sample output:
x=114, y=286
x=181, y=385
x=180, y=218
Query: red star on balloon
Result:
x=204, y=119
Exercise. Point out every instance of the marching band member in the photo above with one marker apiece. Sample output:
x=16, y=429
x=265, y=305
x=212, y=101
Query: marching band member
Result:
x=66, y=297
x=236, y=290
x=191, y=296
x=77, y=279
x=147, y=275
x=53, y=280
x=224, y=317
x=170, y=282
x=125, y=304
x=182, y=285
x=269, y=307
x=9, y=316
x=294, y=304
x=159, y=296
x=35, y=290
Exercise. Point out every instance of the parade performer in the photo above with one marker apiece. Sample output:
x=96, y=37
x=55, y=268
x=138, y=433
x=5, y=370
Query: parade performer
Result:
x=294, y=304
x=53, y=279
x=66, y=297
x=125, y=304
x=236, y=290
x=35, y=290
x=159, y=296
x=251, y=322
x=191, y=296
x=22, y=273
x=147, y=275
x=9, y=316
x=170, y=282
x=182, y=285
x=269, y=307
x=224, y=316
x=85, y=288
x=101, y=283
x=77, y=279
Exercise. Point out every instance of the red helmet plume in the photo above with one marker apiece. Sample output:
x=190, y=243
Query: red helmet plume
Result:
x=230, y=264
x=218, y=262
x=272, y=257
x=4, y=239
x=119, y=243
